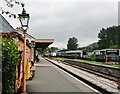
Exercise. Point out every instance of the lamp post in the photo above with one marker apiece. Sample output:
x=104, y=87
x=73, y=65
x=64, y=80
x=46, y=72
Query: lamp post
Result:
x=24, y=20
x=33, y=48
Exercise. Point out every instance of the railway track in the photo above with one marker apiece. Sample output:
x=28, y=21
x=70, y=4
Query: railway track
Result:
x=101, y=84
x=103, y=71
x=114, y=78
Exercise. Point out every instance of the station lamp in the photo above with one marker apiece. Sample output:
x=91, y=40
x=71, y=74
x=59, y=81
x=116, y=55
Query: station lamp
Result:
x=24, y=20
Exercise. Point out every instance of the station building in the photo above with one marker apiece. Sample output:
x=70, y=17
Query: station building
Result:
x=6, y=28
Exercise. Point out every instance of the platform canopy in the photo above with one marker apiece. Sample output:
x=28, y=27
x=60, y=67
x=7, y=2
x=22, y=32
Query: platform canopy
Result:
x=43, y=43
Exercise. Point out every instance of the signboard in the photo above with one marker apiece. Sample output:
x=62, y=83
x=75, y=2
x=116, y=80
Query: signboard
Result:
x=112, y=52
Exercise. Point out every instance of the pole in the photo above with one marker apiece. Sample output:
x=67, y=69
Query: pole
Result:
x=106, y=56
x=34, y=54
x=24, y=65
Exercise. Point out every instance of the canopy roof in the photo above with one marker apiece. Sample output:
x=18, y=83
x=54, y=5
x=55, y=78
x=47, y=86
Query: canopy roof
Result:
x=43, y=43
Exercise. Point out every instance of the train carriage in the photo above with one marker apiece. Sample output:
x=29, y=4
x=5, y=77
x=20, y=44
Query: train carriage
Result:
x=101, y=55
x=61, y=53
x=108, y=55
x=73, y=54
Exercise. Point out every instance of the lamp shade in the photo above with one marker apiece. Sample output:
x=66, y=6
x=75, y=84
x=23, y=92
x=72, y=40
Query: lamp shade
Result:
x=24, y=19
x=32, y=44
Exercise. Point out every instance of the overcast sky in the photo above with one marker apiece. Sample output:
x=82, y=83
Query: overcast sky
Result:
x=62, y=19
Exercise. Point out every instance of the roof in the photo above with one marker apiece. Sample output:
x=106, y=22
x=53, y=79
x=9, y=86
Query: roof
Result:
x=20, y=30
x=43, y=43
x=5, y=25
x=44, y=40
x=39, y=43
x=14, y=35
x=74, y=51
x=108, y=49
x=64, y=50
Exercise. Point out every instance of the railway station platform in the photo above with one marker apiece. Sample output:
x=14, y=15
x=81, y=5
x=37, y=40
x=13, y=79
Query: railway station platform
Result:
x=105, y=84
x=49, y=78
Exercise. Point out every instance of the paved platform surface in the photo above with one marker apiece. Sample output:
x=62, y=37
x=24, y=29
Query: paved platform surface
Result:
x=49, y=78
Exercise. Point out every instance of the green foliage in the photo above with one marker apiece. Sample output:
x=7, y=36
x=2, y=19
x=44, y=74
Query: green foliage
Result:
x=10, y=58
x=11, y=4
x=109, y=37
x=90, y=47
x=40, y=51
x=52, y=49
x=72, y=43
x=93, y=57
x=75, y=56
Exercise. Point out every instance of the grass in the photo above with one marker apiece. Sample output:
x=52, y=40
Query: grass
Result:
x=99, y=63
x=92, y=62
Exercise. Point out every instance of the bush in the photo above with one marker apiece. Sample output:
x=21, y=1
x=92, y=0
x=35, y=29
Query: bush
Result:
x=10, y=58
x=75, y=56
x=93, y=57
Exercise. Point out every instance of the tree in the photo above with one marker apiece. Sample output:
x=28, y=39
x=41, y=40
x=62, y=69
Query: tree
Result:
x=72, y=43
x=103, y=43
x=52, y=49
x=90, y=47
x=10, y=4
x=109, y=37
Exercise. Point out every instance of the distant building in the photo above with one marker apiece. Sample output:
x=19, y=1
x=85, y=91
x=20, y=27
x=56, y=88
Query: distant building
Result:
x=5, y=25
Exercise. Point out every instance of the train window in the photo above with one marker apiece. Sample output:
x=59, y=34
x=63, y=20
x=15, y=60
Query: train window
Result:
x=84, y=53
x=97, y=52
x=102, y=52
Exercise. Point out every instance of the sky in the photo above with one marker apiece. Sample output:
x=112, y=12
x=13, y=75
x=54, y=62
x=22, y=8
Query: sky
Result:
x=63, y=19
